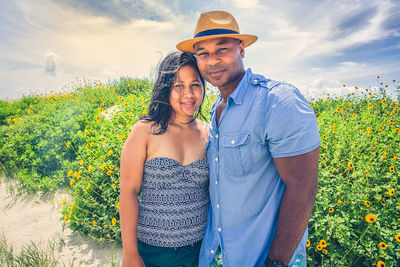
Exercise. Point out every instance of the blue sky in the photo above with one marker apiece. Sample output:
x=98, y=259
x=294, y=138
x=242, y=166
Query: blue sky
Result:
x=315, y=45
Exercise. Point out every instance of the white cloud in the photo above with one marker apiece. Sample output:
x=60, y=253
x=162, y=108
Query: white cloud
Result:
x=245, y=4
x=294, y=39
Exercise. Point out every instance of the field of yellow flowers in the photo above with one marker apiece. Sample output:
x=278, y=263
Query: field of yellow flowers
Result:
x=73, y=140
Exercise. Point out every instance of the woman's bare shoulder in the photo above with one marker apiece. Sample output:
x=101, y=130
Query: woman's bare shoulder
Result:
x=140, y=130
x=203, y=127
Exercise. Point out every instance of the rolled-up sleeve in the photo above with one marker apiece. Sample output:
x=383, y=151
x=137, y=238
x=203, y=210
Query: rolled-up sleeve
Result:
x=290, y=123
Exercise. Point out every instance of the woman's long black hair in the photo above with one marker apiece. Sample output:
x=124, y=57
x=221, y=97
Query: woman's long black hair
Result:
x=160, y=109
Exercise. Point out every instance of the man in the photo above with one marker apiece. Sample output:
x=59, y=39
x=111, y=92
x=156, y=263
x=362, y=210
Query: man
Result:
x=263, y=152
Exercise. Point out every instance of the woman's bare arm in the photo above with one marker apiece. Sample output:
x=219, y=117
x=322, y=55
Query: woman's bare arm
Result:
x=133, y=157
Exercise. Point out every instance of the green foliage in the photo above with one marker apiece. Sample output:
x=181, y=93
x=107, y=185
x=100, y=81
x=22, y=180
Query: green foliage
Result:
x=359, y=175
x=74, y=140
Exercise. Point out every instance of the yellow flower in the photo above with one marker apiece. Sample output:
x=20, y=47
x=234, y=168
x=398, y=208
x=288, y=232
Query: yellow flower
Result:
x=344, y=85
x=353, y=115
x=350, y=165
x=117, y=206
x=308, y=243
x=339, y=201
x=380, y=198
x=109, y=173
x=394, y=158
x=71, y=182
x=91, y=144
x=365, y=172
x=65, y=219
x=383, y=101
x=69, y=173
x=370, y=218
x=366, y=203
x=75, y=174
x=391, y=168
x=398, y=237
x=70, y=214
x=397, y=130
x=319, y=247
x=63, y=202
x=88, y=186
x=382, y=245
x=109, y=153
x=94, y=222
x=113, y=186
x=384, y=155
x=323, y=243
x=103, y=167
x=144, y=113
x=331, y=210
x=90, y=167
x=391, y=192
x=97, y=118
x=122, y=137
x=72, y=205
x=105, y=140
x=325, y=251
x=324, y=136
x=68, y=144
x=81, y=162
x=380, y=264
x=378, y=76
x=113, y=221
x=355, y=87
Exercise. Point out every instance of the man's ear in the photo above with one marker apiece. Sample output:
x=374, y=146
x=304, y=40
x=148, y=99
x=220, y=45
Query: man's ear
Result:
x=241, y=49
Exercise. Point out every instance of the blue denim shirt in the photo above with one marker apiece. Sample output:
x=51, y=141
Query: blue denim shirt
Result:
x=263, y=119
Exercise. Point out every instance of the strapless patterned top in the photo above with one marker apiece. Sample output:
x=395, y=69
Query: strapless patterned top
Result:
x=174, y=202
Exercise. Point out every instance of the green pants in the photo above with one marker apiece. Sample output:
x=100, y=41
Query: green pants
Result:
x=153, y=256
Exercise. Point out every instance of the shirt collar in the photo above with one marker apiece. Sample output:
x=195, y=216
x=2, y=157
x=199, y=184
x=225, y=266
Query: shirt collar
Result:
x=240, y=91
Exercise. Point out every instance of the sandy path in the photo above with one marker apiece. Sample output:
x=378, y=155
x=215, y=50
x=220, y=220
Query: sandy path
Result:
x=26, y=219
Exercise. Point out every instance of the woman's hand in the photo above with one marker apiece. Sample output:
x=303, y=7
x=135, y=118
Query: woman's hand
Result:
x=132, y=260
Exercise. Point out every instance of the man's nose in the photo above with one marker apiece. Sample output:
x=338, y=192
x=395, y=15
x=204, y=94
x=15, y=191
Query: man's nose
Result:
x=213, y=59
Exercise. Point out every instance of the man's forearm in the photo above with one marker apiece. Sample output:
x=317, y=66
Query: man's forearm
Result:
x=294, y=214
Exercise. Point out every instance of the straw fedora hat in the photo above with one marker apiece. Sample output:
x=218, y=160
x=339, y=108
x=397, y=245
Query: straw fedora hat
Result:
x=215, y=24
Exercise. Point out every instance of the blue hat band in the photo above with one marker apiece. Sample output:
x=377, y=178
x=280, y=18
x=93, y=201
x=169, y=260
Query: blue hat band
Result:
x=215, y=32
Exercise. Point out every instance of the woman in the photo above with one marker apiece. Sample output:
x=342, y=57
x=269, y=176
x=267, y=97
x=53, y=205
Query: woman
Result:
x=164, y=158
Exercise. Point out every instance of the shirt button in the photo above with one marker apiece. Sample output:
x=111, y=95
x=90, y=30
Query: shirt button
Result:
x=218, y=206
x=212, y=251
x=219, y=229
x=233, y=142
x=216, y=159
x=216, y=136
x=216, y=182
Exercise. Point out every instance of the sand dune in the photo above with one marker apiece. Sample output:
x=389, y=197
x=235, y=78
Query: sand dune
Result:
x=25, y=219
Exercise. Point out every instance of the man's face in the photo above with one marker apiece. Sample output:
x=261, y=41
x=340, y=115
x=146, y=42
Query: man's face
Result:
x=220, y=61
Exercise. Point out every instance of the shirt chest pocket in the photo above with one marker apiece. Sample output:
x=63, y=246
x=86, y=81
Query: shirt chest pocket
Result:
x=236, y=154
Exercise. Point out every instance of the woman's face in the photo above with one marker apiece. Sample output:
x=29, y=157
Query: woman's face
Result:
x=186, y=94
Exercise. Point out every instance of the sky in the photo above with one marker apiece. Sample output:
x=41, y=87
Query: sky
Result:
x=316, y=45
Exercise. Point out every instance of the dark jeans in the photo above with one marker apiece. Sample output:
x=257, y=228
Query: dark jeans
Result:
x=153, y=256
